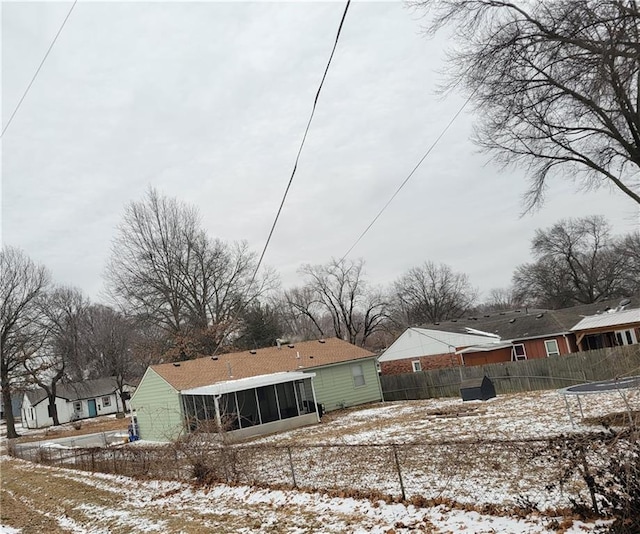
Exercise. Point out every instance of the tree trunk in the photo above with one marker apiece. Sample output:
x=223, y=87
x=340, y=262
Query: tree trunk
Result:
x=53, y=409
x=8, y=409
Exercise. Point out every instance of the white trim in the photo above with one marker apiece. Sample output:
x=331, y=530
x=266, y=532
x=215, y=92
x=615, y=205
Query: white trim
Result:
x=416, y=368
x=251, y=382
x=546, y=348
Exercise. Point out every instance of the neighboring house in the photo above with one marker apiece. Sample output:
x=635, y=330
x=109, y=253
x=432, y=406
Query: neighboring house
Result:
x=421, y=349
x=608, y=329
x=509, y=336
x=254, y=392
x=81, y=400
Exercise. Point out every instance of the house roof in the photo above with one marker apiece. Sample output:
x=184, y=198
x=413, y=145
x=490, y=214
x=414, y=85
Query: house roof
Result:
x=606, y=319
x=293, y=357
x=76, y=391
x=248, y=383
x=530, y=323
x=415, y=342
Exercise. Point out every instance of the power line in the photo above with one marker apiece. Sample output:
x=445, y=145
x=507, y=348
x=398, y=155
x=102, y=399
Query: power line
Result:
x=304, y=137
x=464, y=105
x=293, y=172
x=38, y=69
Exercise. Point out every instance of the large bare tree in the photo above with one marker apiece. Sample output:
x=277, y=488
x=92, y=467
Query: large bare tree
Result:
x=164, y=268
x=22, y=283
x=432, y=293
x=60, y=324
x=338, y=291
x=578, y=261
x=109, y=342
x=557, y=83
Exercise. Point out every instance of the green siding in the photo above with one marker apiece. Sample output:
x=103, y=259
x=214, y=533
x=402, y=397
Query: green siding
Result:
x=157, y=407
x=335, y=387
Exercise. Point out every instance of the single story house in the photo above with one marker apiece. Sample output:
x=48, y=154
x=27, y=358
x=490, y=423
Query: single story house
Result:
x=254, y=392
x=510, y=336
x=421, y=349
x=81, y=400
x=608, y=329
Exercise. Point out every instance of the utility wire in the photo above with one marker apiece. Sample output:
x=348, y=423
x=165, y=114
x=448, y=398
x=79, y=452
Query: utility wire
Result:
x=293, y=172
x=38, y=69
x=464, y=105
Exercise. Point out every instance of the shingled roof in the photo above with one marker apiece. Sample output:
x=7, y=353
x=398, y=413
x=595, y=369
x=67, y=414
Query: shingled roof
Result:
x=77, y=391
x=289, y=357
x=530, y=323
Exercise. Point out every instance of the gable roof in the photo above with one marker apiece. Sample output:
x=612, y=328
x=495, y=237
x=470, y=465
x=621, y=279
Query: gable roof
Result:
x=604, y=320
x=531, y=323
x=293, y=357
x=88, y=389
x=416, y=342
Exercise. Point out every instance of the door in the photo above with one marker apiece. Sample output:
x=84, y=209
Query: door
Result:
x=92, y=407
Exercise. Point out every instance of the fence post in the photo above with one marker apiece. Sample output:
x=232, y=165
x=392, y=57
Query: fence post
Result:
x=395, y=457
x=115, y=465
x=293, y=472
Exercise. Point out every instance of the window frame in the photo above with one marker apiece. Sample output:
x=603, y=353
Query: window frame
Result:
x=416, y=365
x=106, y=402
x=357, y=376
x=515, y=357
x=551, y=353
x=77, y=406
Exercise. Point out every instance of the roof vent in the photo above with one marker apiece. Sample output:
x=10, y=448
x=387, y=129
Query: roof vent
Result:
x=540, y=316
x=214, y=358
x=502, y=313
x=252, y=352
x=291, y=346
x=436, y=323
x=518, y=311
x=487, y=315
x=625, y=302
x=321, y=341
x=176, y=365
x=454, y=320
x=311, y=357
x=512, y=320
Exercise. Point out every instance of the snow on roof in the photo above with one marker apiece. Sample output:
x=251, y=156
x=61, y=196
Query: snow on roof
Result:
x=603, y=320
x=248, y=383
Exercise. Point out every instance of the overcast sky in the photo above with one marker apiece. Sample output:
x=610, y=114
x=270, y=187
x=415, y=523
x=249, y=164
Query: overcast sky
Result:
x=207, y=102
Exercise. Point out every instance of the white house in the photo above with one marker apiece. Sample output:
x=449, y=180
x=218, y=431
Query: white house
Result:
x=81, y=400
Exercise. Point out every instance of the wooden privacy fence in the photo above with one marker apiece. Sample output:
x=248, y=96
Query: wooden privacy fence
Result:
x=513, y=377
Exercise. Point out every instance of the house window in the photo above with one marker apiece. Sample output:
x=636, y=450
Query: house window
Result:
x=551, y=346
x=626, y=337
x=77, y=406
x=518, y=353
x=417, y=366
x=106, y=402
x=358, y=375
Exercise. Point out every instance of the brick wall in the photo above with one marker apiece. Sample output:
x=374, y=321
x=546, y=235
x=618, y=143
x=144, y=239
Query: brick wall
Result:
x=436, y=361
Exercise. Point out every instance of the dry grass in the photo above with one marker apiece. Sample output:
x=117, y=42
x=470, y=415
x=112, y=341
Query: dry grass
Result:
x=106, y=423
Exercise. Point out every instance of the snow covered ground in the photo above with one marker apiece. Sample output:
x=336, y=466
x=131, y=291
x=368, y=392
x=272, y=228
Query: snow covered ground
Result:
x=101, y=504
x=434, y=462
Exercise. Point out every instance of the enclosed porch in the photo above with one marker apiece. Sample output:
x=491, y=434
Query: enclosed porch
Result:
x=252, y=406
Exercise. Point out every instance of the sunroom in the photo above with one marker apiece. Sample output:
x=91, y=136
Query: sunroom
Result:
x=252, y=406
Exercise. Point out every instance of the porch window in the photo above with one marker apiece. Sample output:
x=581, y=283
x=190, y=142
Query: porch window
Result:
x=77, y=406
x=358, y=375
x=417, y=366
x=106, y=402
x=518, y=353
x=625, y=337
x=551, y=346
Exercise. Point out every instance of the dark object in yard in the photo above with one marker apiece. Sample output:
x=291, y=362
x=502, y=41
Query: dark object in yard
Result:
x=477, y=389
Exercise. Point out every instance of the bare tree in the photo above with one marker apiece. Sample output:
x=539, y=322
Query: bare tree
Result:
x=502, y=299
x=557, y=83
x=62, y=313
x=109, y=341
x=22, y=283
x=577, y=262
x=339, y=291
x=164, y=268
x=432, y=293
